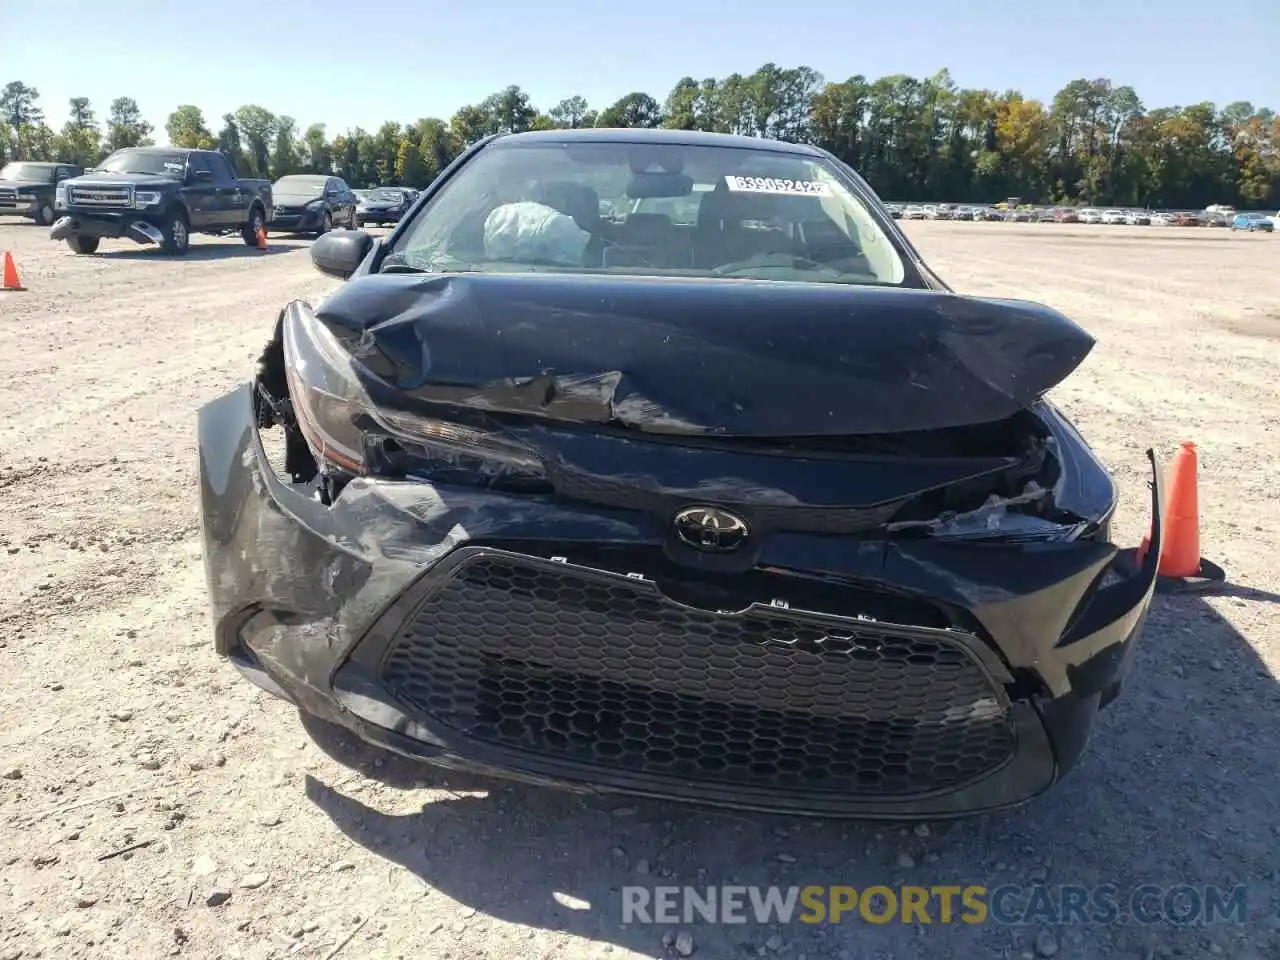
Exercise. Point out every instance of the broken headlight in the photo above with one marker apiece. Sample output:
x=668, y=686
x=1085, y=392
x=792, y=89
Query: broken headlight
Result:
x=345, y=428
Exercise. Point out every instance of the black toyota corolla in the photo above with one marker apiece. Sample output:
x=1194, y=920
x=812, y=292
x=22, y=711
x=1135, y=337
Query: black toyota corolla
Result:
x=751, y=510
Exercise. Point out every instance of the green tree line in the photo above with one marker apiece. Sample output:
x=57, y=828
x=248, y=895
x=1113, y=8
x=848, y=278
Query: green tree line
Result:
x=913, y=139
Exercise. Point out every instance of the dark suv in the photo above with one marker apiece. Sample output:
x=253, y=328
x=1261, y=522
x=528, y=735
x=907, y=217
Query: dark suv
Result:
x=27, y=188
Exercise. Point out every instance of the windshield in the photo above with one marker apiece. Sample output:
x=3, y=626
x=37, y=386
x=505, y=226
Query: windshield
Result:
x=32, y=172
x=679, y=211
x=299, y=186
x=160, y=163
x=394, y=196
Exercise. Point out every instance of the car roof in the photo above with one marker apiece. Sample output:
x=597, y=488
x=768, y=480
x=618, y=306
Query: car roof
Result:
x=685, y=138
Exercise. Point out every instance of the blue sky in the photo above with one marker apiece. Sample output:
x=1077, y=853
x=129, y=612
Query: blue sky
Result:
x=320, y=61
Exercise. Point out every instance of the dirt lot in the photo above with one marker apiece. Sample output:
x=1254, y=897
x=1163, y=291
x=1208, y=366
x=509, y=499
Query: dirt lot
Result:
x=140, y=775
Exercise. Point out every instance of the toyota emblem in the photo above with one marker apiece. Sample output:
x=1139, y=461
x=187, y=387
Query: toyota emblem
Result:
x=710, y=529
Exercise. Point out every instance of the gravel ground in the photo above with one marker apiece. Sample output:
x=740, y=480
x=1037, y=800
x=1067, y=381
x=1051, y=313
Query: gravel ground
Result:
x=153, y=805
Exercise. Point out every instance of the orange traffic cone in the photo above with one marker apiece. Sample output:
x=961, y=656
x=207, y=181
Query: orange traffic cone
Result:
x=262, y=238
x=1181, y=567
x=11, y=281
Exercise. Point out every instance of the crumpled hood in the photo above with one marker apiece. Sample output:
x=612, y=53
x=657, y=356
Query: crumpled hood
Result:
x=726, y=357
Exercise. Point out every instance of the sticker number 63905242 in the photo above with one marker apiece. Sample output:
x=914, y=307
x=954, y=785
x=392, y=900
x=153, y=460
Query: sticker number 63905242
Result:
x=813, y=188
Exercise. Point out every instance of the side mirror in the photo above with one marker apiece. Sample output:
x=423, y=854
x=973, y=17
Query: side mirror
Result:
x=339, y=254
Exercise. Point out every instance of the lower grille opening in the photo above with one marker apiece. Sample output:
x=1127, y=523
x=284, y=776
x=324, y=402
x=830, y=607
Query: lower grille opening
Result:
x=711, y=591
x=595, y=669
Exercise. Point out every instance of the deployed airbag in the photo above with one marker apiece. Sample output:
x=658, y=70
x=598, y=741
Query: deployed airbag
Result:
x=529, y=232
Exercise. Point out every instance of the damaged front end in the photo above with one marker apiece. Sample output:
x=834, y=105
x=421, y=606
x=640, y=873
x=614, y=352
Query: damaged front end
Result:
x=102, y=225
x=473, y=546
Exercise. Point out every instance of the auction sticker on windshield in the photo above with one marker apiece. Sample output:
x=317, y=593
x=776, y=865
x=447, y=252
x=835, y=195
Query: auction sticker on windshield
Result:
x=813, y=188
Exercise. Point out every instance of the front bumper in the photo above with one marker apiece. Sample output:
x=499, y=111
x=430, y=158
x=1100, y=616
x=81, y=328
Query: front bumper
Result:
x=20, y=207
x=296, y=222
x=379, y=216
x=133, y=225
x=449, y=625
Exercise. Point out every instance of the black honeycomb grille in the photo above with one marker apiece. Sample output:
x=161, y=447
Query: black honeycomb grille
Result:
x=599, y=669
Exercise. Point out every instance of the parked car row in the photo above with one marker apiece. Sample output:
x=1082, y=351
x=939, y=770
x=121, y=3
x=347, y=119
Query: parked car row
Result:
x=162, y=195
x=314, y=203
x=1214, y=216
x=944, y=211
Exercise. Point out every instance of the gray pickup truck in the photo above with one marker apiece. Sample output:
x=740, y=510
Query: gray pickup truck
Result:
x=159, y=195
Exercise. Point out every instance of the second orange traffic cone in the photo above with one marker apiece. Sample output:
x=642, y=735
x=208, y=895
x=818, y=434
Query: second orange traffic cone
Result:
x=1181, y=567
x=262, y=238
x=10, y=279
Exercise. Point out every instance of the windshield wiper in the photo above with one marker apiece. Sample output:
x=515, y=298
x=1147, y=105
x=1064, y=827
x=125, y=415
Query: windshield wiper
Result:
x=409, y=268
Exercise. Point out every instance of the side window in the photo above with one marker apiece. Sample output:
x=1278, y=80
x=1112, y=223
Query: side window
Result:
x=61, y=173
x=198, y=162
x=221, y=169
